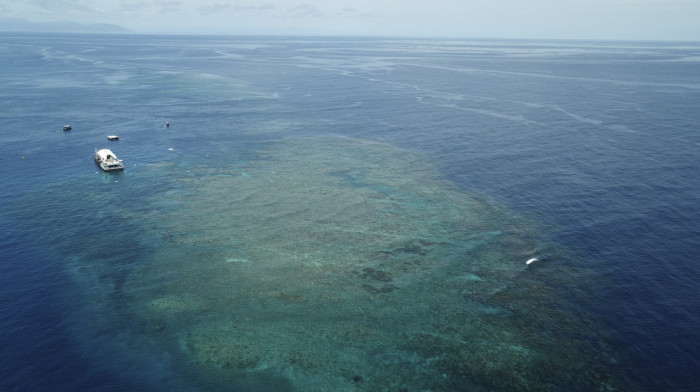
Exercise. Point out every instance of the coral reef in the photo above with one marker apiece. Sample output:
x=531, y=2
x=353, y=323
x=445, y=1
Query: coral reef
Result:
x=339, y=264
x=217, y=350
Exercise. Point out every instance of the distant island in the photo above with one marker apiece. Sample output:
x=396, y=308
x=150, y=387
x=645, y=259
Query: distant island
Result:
x=22, y=25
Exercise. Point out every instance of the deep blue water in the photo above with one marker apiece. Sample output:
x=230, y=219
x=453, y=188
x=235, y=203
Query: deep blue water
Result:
x=598, y=142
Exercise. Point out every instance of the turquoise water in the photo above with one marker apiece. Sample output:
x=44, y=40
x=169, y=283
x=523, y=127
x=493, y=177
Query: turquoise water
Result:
x=352, y=215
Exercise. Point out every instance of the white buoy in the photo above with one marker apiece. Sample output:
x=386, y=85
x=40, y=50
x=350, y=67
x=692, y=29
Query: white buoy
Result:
x=532, y=260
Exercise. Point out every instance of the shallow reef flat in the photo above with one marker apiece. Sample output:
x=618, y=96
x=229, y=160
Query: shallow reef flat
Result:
x=331, y=264
x=339, y=264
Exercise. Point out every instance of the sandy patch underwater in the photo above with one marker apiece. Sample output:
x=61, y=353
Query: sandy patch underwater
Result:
x=337, y=264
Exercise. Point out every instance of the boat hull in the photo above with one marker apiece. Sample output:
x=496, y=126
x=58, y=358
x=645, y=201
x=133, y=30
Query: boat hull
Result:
x=107, y=167
x=107, y=161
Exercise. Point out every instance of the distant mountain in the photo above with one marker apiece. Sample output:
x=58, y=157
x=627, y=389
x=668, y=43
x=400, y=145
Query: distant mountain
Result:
x=14, y=24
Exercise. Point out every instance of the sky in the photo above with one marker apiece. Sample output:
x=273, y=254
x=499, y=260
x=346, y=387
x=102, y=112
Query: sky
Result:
x=554, y=19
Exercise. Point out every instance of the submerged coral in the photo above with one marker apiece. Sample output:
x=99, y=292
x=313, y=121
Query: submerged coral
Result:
x=338, y=264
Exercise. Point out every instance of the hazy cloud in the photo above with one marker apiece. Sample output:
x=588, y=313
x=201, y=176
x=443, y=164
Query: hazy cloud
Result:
x=305, y=11
x=563, y=19
x=254, y=7
x=224, y=5
x=349, y=12
x=169, y=6
x=214, y=7
x=63, y=6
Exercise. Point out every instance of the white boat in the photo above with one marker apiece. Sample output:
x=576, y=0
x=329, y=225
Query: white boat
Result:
x=112, y=137
x=67, y=127
x=107, y=160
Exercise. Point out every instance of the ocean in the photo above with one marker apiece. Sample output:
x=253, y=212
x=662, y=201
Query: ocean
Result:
x=348, y=214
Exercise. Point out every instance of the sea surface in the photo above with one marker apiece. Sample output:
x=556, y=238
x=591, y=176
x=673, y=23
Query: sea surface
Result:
x=349, y=214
